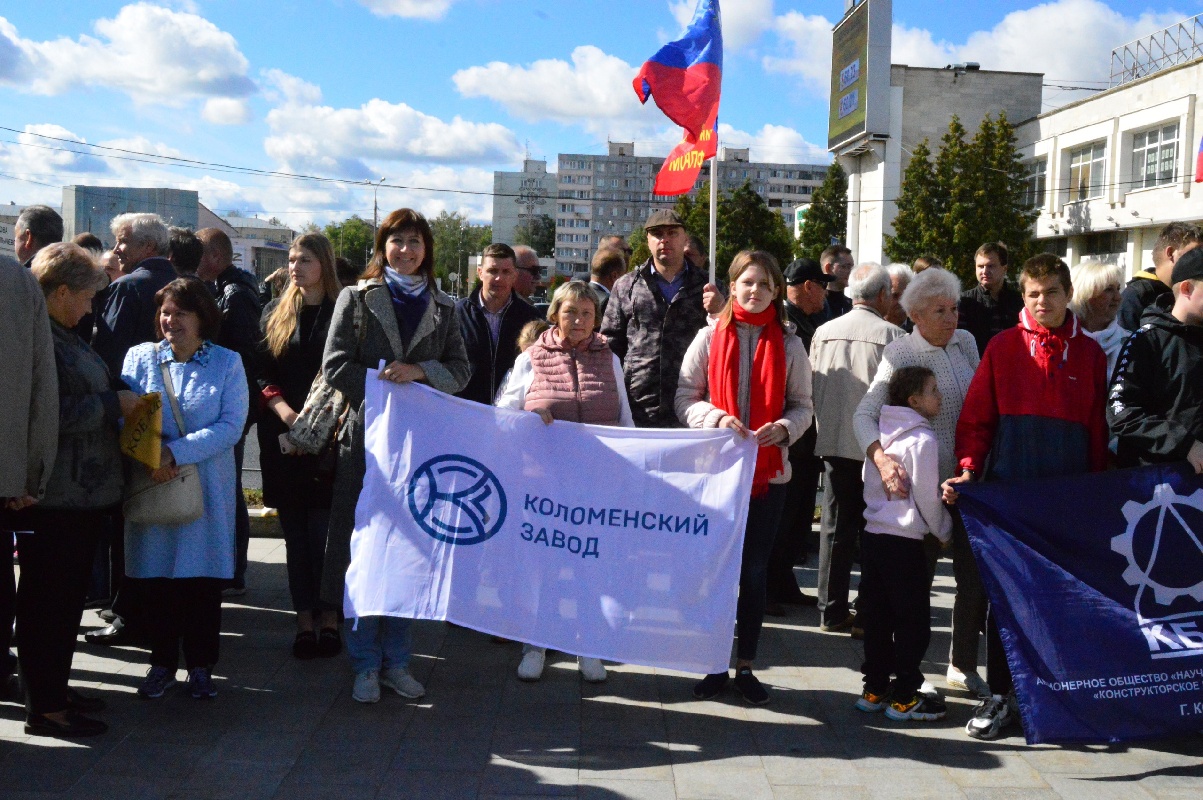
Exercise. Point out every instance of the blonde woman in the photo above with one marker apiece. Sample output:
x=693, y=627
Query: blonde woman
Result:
x=290, y=356
x=1096, y=299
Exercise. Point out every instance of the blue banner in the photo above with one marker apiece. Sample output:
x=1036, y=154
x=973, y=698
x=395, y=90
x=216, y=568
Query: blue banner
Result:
x=1096, y=583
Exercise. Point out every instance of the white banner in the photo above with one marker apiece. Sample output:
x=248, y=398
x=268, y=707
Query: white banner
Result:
x=615, y=543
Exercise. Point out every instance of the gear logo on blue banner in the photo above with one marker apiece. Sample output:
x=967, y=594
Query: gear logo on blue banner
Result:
x=457, y=500
x=1096, y=583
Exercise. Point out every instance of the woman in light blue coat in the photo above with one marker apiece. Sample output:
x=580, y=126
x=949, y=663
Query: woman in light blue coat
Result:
x=183, y=566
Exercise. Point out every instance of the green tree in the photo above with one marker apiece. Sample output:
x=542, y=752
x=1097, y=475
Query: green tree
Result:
x=919, y=212
x=538, y=233
x=639, y=250
x=455, y=239
x=827, y=217
x=352, y=239
x=1006, y=216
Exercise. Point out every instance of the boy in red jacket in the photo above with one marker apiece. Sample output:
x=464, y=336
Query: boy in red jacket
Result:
x=1035, y=409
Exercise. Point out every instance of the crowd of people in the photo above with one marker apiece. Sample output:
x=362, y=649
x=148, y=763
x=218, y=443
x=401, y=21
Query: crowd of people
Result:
x=890, y=385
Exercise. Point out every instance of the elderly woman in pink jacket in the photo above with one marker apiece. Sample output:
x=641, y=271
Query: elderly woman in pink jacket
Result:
x=569, y=374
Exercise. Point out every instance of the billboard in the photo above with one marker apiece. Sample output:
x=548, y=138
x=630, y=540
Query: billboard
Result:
x=860, y=73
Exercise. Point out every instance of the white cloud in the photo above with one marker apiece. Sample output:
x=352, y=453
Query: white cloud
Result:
x=1067, y=40
x=594, y=92
x=285, y=88
x=40, y=158
x=807, y=40
x=226, y=111
x=416, y=9
x=153, y=54
x=775, y=144
x=744, y=21
x=340, y=141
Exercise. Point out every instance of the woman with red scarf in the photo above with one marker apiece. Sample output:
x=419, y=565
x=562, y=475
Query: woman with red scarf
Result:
x=747, y=371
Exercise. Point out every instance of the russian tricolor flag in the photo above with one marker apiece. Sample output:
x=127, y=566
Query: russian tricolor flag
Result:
x=1199, y=164
x=685, y=77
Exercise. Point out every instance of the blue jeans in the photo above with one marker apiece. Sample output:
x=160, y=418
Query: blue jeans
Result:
x=378, y=643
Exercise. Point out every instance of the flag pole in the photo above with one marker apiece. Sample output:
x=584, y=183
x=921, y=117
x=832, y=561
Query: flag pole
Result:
x=714, y=161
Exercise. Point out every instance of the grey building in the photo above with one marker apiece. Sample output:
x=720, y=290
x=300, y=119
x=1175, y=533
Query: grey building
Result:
x=519, y=197
x=612, y=194
x=260, y=245
x=92, y=208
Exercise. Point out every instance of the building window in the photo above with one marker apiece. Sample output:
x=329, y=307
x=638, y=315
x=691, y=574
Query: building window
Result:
x=1035, y=177
x=1104, y=244
x=1087, y=171
x=1155, y=157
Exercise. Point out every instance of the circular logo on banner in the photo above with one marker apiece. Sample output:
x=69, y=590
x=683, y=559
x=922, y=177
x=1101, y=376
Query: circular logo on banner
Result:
x=457, y=500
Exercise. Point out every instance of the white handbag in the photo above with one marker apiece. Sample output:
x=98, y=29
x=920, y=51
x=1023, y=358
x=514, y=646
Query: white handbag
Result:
x=174, y=502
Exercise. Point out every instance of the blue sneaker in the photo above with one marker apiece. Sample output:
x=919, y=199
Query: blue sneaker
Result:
x=200, y=683
x=156, y=683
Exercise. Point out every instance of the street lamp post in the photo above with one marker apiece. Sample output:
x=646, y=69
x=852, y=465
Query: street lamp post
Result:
x=375, y=207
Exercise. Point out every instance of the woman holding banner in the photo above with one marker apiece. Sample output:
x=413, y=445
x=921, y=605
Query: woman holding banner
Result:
x=748, y=372
x=569, y=374
x=295, y=327
x=397, y=315
x=59, y=533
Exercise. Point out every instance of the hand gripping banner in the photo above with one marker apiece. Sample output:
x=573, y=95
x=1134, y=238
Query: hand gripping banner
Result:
x=1097, y=586
x=614, y=543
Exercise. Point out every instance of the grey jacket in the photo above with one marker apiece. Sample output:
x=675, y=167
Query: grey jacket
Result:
x=364, y=332
x=651, y=336
x=88, y=471
x=693, y=404
x=844, y=355
x=28, y=385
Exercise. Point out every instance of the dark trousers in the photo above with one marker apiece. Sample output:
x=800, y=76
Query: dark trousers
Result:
x=894, y=608
x=56, y=565
x=305, y=550
x=8, y=602
x=796, y=517
x=998, y=672
x=183, y=611
x=841, y=525
x=764, y=516
x=242, y=520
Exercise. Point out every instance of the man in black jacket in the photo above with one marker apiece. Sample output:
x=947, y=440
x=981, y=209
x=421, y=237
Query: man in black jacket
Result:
x=490, y=319
x=805, y=299
x=237, y=295
x=1146, y=286
x=37, y=226
x=652, y=316
x=1155, y=408
x=992, y=306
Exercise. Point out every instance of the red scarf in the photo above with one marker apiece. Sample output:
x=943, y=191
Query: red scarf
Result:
x=1050, y=348
x=767, y=377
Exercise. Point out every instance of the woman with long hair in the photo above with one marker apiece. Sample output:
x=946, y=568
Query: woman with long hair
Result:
x=395, y=314
x=295, y=326
x=749, y=372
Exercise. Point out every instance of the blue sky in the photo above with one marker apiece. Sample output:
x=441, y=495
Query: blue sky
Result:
x=439, y=93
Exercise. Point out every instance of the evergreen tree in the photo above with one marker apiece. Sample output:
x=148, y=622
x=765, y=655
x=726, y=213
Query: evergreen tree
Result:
x=956, y=179
x=538, y=233
x=1007, y=217
x=827, y=217
x=919, y=211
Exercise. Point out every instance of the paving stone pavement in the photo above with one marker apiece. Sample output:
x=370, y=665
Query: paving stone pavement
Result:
x=287, y=729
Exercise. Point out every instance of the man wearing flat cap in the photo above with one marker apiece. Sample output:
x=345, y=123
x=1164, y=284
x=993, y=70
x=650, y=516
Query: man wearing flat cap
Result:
x=652, y=315
x=1155, y=407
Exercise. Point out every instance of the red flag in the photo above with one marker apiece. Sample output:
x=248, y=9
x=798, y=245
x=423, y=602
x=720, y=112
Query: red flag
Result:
x=684, y=162
x=685, y=77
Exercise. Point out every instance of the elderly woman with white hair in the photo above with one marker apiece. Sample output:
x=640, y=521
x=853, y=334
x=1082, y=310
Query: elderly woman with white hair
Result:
x=1095, y=302
x=936, y=343
x=569, y=374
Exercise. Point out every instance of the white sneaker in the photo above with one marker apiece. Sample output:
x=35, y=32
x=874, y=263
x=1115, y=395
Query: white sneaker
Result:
x=967, y=682
x=991, y=716
x=367, y=687
x=400, y=681
x=531, y=668
x=592, y=669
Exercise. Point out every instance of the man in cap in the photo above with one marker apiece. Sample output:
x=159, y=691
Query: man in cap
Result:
x=1155, y=407
x=652, y=316
x=805, y=299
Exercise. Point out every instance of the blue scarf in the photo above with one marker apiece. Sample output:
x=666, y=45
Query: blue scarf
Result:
x=410, y=295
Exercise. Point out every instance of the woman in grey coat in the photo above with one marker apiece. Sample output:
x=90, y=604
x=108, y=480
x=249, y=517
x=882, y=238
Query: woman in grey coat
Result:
x=59, y=534
x=397, y=315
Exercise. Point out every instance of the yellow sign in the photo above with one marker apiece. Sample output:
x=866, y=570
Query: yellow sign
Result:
x=142, y=436
x=849, y=77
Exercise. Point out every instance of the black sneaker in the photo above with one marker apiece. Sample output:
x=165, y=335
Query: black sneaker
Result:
x=75, y=725
x=711, y=686
x=747, y=685
x=923, y=707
